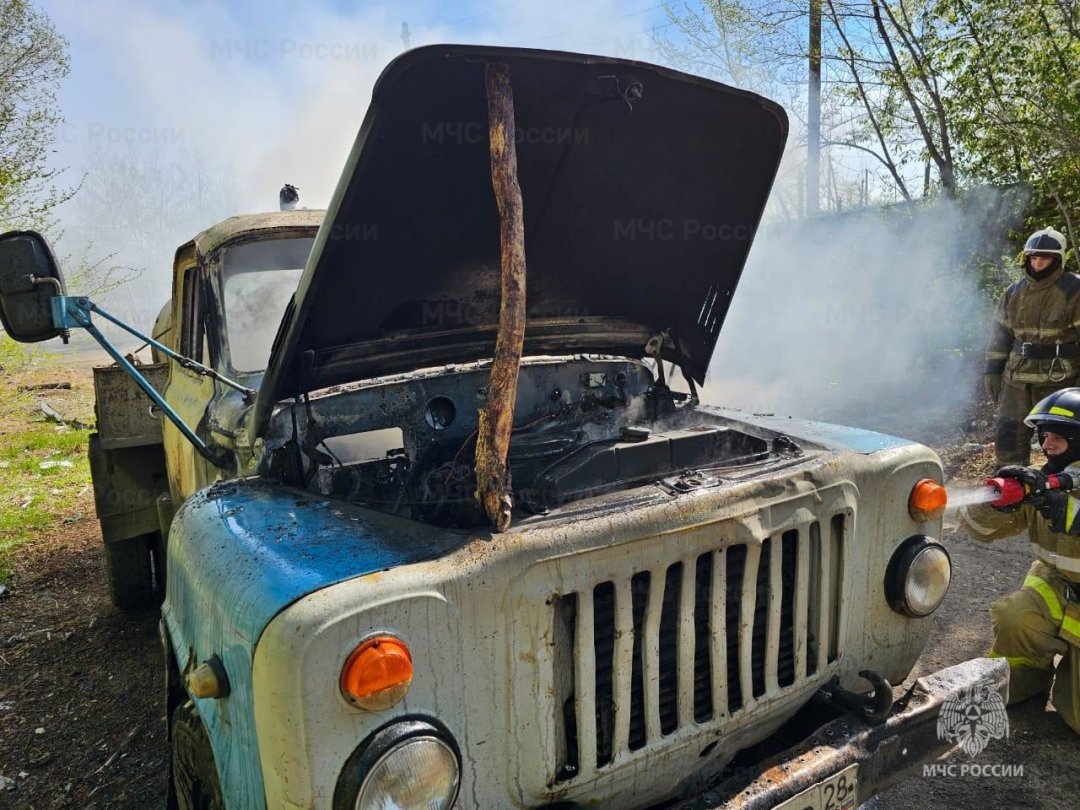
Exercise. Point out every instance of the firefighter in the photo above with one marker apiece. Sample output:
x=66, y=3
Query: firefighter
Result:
x=1034, y=346
x=1042, y=620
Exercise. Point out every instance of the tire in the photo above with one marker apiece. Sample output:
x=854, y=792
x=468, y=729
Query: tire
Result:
x=129, y=572
x=195, y=782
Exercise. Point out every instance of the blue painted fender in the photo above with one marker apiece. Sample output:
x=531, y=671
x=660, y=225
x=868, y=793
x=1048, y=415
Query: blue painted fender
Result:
x=239, y=553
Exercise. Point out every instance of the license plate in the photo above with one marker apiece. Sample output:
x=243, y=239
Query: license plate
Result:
x=838, y=792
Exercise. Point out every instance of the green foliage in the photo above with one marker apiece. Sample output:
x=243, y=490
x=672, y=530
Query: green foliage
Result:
x=13, y=356
x=985, y=91
x=32, y=496
x=881, y=89
x=33, y=61
x=1014, y=76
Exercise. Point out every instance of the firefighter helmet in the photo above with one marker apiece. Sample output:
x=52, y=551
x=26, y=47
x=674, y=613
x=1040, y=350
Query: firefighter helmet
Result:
x=1046, y=241
x=1058, y=413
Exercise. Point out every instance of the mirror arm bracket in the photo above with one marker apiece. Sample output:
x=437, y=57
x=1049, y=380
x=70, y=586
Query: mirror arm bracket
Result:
x=74, y=311
x=65, y=332
x=83, y=306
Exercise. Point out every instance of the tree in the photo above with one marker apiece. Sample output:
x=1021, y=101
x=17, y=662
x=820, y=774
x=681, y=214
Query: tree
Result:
x=982, y=91
x=722, y=38
x=883, y=96
x=1014, y=68
x=33, y=61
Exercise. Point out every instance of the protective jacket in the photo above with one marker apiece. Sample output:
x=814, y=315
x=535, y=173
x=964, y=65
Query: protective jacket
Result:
x=1038, y=625
x=1060, y=551
x=1035, y=336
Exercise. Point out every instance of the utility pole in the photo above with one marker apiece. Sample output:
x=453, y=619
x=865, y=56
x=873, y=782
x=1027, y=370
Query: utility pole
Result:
x=813, y=113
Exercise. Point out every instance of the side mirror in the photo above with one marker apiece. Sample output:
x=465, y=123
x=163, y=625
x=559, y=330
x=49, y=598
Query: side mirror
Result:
x=29, y=279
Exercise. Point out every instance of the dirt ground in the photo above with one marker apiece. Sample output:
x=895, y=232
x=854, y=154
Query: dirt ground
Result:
x=82, y=710
x=81, y=687
x=81, y=690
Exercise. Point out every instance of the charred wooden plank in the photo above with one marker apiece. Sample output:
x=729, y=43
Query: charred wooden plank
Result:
x=496, y=416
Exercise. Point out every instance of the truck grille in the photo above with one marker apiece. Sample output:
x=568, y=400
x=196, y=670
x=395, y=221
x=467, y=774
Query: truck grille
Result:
x=701, y=640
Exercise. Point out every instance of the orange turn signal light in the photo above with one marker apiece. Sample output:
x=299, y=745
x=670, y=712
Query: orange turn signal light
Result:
x=928, y=500
x=377, y=674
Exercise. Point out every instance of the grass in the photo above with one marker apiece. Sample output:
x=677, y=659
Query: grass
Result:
x=44, y=472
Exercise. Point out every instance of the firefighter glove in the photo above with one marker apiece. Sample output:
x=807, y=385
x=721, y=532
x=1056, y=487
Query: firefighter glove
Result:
x=1034, y=482
x=1066, y=481
x=992, y=383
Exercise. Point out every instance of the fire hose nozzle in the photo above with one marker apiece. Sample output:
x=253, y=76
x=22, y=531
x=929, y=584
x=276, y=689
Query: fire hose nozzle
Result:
x=1012, y=491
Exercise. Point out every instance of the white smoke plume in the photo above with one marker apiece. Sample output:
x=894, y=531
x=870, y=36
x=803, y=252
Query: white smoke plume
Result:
x=180, y=114
x=871, y=318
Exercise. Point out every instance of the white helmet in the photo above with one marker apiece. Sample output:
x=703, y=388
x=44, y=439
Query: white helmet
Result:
x=1046, y=241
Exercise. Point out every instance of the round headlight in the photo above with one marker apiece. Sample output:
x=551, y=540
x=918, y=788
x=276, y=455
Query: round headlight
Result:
x=421, y=772
x=918, y=576
x=409, y=763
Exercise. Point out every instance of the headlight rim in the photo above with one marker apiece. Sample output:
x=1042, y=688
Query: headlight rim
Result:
x=899, y=567
x=381, y=742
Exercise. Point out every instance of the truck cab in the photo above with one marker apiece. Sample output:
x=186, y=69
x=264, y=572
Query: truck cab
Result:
x=231, y=284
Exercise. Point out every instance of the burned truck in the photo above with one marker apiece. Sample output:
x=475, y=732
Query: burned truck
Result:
x=681, y=605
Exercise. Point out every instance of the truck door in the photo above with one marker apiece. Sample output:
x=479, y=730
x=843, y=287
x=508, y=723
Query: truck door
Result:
x=188, y=392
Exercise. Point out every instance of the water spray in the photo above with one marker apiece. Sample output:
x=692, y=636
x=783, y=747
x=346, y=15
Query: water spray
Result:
x=1001, y=491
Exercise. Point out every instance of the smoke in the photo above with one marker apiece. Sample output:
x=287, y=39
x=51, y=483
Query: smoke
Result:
x=180, y=114
x=872, y=318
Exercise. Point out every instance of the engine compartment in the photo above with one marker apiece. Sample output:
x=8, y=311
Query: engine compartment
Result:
x=583, y=427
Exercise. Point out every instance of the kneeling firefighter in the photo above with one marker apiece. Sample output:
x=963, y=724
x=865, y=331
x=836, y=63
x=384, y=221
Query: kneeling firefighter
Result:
x=1042, y=620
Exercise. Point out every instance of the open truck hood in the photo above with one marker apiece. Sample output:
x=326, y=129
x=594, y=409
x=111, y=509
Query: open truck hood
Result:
x=642, y=188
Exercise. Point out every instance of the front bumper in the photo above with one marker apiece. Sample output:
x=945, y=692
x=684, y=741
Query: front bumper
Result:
x=883, y=752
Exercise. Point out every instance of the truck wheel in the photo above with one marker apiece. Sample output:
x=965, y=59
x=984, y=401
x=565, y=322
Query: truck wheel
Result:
x=129, y=571
x=194, y=775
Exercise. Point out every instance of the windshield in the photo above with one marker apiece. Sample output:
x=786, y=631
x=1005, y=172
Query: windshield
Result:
x=258, y=279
